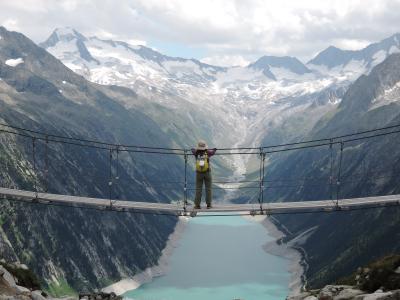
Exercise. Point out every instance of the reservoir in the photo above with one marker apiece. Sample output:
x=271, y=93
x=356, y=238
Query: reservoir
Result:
x=220, y=258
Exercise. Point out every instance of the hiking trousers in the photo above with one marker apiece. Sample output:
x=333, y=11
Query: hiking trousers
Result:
x=207, y=179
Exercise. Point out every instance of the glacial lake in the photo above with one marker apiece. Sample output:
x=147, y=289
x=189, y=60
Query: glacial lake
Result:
x=220, y=258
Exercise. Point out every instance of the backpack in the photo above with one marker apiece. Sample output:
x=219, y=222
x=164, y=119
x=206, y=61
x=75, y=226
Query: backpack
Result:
x=202, y=163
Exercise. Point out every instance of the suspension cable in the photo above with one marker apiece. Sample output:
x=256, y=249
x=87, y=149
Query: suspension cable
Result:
x=127, y=147
x=318, y=140
x=87, y=140
x=153, y=150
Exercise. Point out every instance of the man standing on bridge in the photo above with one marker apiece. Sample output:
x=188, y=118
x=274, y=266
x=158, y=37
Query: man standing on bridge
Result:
x=203, y=172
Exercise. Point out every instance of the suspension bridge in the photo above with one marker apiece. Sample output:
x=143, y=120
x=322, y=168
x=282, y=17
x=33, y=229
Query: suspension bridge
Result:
x=183, y=208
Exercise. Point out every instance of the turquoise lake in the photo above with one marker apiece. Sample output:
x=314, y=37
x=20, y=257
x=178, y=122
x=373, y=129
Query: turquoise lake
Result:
x=220, y=258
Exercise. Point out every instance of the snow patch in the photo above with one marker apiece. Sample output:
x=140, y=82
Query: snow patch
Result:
x=388, y=96
x=379, y=57
x=184, y=67
x=14, y=62
x=394, y=49
x=335, y=100
x=64, y=50
x=239, y=74
x=285, y=74
x=65, y=31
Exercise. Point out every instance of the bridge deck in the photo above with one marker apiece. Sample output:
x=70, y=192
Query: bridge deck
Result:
x=267, y=208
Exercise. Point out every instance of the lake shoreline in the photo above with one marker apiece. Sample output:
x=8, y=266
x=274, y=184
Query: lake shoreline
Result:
x=128, y=284
x=296, y=257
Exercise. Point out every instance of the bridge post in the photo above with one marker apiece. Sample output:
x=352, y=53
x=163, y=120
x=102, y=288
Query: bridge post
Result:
x=261, y=191
x=34, y=166
x=185, y=183
x=46, y=162
x=110, y=177
x=117, y=171
x=338, y=183
x=331, y=171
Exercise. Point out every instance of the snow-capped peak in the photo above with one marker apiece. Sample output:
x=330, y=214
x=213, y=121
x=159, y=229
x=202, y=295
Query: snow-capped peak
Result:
x=68, y=41
x=369, y=56
x=291, y=64
x=65, y=34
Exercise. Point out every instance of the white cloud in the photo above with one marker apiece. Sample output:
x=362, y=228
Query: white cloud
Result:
x=11, y=24
x=137, y=42
x=226, y=60
x=103, y=34
x=222, y=28
x=351, y=44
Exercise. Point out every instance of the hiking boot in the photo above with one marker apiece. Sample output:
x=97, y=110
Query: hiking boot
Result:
x=209, y=206
x=197, y=207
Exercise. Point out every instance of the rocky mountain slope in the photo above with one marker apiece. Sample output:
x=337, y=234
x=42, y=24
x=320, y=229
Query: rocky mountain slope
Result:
x=369, y=167
x=75, y=247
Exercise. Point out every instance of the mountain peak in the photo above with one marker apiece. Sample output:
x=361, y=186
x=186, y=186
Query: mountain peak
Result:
x=68, y=33
x=64, y=34
x=332, y=56
x=287, y=62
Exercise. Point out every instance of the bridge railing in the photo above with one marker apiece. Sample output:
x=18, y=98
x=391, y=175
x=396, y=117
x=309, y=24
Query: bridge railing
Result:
x=40, y=141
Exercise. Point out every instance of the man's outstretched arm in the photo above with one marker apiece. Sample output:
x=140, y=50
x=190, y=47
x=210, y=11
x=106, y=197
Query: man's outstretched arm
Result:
x=211, y=152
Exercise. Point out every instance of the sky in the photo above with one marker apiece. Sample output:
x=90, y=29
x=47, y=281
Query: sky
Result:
x=219, y=32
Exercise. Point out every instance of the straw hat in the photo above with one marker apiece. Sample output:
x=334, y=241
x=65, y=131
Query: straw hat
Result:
x=201, y=145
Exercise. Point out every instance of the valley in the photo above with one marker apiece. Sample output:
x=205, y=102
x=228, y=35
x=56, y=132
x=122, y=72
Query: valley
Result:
x=87, y=87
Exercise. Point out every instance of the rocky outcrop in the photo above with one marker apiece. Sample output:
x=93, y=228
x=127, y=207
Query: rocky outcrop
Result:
x=17, y=282
x=379, y=280
x=99, y=296
x=343, y=292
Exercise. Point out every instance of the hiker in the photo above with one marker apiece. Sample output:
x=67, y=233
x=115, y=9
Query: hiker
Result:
x=203, y=172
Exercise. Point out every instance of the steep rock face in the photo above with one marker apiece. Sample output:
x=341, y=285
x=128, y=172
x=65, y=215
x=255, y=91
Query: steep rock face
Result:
x=342, y=241
x=76, y=247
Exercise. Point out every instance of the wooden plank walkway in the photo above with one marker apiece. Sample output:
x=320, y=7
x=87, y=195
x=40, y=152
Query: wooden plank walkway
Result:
x=178, y=209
